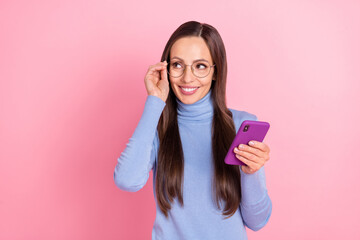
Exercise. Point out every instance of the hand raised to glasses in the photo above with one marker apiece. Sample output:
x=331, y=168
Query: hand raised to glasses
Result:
x=156, y=81
x=254, y=156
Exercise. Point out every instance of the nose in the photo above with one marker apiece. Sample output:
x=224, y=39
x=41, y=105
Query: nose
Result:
x=188, y=75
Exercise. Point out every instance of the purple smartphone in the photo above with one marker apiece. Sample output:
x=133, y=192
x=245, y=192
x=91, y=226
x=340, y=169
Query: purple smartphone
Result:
x=249, y=130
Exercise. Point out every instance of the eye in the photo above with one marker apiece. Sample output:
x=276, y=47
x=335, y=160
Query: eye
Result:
x=201, y=66
x=176, y=65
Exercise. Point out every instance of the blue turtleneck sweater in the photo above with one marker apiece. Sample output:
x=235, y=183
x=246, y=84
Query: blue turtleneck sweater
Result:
x=199, y=218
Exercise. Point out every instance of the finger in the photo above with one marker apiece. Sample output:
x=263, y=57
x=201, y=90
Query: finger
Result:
x=259, y=145
x=156, y=74
x=161, y=64
x=156, y=69
x=247, y=169
x=164, y=83
x=164, y=74
x=157, y=66
x=250, y=157
x=246, y=148
x=253, y=154
x=248, y=163
x=152, y=77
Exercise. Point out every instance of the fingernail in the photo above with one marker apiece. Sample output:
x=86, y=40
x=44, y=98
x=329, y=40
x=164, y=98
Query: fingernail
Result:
x=236, y=150
x=242, y=146
x=251, y=143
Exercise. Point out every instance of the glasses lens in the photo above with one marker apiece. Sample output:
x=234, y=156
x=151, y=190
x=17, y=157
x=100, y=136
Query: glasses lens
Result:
x=201, y=69
x=176, y=68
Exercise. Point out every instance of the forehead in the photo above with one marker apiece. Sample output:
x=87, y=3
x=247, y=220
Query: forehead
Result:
x=190, y=49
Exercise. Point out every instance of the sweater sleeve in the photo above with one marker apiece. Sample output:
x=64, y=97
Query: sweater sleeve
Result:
x=255, y=205
x=135, y=162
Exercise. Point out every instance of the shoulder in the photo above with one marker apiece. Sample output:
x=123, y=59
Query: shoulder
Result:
x=240, y=116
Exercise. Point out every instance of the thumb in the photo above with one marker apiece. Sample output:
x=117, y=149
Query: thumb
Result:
x=164, y=79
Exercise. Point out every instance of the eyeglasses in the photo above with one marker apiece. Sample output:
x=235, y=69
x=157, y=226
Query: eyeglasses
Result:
x=200, y=69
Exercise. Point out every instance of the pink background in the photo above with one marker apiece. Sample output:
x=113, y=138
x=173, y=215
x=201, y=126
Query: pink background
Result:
x=72, y=92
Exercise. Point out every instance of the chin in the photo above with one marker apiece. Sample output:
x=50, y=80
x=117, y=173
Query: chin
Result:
x=188, y=99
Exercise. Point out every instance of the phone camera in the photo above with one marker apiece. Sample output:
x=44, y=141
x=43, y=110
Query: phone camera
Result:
x=246, y=128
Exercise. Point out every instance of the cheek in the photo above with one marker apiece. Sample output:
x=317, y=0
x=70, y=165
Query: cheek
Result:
x=173, y=85
x=207, y=82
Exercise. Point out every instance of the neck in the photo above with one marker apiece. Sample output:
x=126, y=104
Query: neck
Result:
x=196, y=112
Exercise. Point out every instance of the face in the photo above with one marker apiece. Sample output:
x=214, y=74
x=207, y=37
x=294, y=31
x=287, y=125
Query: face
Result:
x=189, y=88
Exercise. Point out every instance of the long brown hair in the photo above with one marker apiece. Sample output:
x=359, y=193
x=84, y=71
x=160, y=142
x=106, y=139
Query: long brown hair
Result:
x=170, y=166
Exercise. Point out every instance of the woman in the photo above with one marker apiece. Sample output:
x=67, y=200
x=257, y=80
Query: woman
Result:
x=184, y=134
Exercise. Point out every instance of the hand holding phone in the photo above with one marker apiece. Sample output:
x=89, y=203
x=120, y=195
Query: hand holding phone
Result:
x=249, y=130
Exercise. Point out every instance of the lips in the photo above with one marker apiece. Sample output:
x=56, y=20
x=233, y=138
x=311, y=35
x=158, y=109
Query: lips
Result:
x=188, y=90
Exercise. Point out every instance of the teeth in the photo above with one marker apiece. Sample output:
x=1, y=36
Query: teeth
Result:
x=188, y=89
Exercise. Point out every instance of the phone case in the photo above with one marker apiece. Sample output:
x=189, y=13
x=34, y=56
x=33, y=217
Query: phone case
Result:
x=256, y=130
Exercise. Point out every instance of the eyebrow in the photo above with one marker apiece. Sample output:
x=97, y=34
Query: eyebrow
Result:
x=201, y=59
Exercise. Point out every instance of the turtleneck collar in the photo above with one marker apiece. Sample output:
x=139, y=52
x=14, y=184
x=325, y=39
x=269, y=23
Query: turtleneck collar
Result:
x=196, y=112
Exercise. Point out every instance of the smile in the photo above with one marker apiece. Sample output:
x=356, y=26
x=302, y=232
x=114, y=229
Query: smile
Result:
x=188, y=90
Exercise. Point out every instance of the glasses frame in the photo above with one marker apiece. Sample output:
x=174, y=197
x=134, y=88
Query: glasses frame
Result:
x=192, y=69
